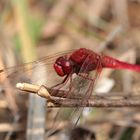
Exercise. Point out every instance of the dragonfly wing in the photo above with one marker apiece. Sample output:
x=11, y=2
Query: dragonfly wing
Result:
x=90, y=78
x=28, y=67
x=84, y=85
x=23, y=72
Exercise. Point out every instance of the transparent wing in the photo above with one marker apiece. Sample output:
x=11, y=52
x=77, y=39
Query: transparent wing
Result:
x=23, y=72
x=48, y=60
x=82, y=85
x=85, y=83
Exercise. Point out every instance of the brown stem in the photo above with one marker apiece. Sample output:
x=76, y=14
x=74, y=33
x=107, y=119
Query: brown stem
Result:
x=64, y=102
x=75, y=102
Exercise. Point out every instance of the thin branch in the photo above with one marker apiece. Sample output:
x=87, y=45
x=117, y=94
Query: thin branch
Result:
x=54, y=101
x=62, y=102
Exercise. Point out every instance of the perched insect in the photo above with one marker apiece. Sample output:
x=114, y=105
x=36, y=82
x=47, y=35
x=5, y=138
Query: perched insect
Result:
x=88, y=61
x=84, y=60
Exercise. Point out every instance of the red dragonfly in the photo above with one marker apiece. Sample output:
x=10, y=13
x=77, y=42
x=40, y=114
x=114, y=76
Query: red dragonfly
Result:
x=81, y=62
x=85, y=60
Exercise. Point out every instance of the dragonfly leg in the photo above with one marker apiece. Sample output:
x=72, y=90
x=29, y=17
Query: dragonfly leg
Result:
x=70, y=87
x=63, y=83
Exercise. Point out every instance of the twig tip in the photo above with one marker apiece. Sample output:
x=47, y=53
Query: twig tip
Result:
x=20, y=85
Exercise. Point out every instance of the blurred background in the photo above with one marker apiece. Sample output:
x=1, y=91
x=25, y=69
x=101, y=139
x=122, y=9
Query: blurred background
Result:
x=32, y=29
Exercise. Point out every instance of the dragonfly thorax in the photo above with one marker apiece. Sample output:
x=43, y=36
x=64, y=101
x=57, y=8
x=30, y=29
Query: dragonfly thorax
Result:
x=63, y=66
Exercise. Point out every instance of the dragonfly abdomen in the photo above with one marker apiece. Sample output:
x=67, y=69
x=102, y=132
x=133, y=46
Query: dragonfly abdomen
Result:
x=109, y=62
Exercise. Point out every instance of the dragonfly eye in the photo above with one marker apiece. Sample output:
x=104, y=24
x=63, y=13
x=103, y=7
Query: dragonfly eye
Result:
x=62, y=66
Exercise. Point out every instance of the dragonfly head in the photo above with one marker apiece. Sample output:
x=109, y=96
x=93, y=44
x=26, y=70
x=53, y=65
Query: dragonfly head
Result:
x=63, y=66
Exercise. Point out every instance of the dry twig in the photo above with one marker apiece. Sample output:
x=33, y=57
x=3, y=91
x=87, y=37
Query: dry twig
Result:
x=66, y=102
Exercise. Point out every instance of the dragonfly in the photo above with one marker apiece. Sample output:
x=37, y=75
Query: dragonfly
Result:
x=83, y=61
x=80, y=62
